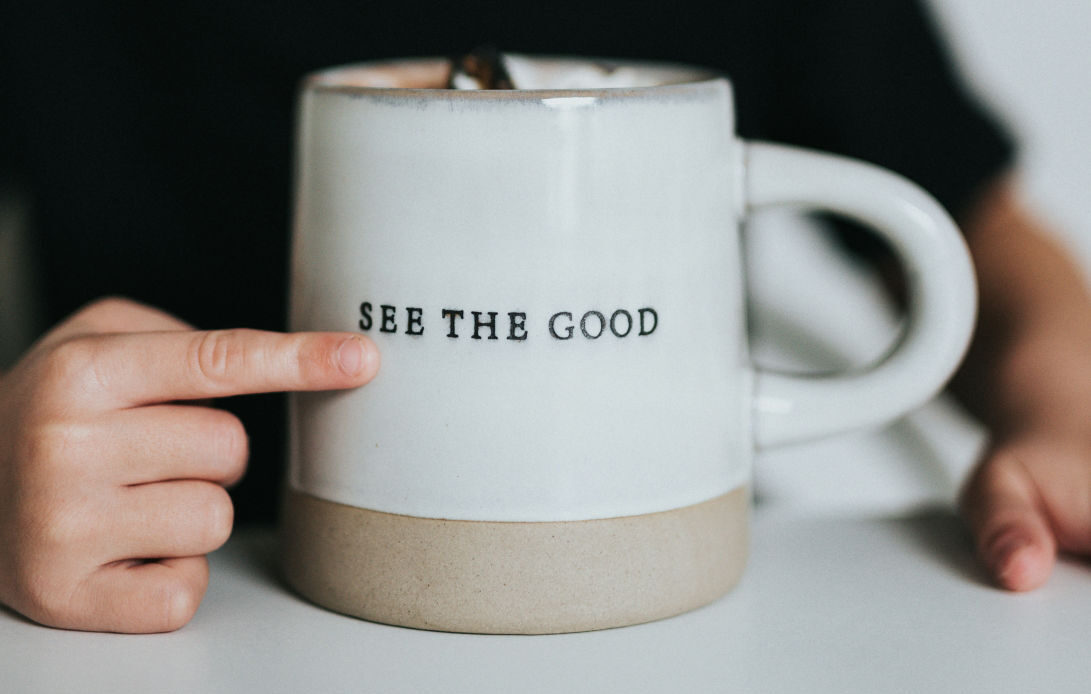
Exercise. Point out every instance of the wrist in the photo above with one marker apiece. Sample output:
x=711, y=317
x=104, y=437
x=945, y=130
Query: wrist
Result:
x=1035, y=379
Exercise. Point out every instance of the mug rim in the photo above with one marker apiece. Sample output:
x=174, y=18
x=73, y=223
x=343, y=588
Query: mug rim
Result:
x=337, y=79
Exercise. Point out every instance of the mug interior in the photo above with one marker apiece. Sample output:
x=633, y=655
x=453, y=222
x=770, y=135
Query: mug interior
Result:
x=433, y=73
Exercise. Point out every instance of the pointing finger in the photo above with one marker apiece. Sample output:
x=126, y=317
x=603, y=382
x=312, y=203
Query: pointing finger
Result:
x=143, y=368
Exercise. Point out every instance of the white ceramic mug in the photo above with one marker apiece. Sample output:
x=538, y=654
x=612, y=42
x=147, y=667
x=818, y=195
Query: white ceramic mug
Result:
x=561, y=434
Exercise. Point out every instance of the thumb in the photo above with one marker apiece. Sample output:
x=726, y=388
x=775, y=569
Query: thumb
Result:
x=1006, y=515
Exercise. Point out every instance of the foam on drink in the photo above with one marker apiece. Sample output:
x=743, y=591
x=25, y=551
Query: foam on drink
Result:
x=487, y=68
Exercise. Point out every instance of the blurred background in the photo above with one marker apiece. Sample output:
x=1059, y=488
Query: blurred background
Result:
x=814, y=309
x=811, y=308
x=1031, y=62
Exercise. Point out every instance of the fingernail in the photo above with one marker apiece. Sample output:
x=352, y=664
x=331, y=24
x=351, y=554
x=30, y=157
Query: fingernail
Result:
x=1005, y=553
x=351, y=356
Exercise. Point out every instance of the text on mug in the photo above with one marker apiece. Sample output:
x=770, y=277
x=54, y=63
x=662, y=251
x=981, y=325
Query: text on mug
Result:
x=483, y=325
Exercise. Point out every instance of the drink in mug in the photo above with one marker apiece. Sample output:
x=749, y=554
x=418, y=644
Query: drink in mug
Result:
x=561, y=434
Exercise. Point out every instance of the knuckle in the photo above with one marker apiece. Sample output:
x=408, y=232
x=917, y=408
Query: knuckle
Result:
x=107, y=306
x=59, y=529
x=1001, y=529
x=216, y=355
x=315, y=357
x=70, y=365
x=44, y=447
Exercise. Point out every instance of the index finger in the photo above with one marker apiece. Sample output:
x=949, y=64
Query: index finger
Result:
x=145, y=368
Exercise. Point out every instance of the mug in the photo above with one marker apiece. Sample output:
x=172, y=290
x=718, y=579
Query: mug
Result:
x=561, y=435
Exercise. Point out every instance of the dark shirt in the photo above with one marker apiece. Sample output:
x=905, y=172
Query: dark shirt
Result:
x=155, y=138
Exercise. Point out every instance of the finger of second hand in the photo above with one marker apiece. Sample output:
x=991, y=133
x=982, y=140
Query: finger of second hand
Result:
x=156, y=443
x=1005, y=515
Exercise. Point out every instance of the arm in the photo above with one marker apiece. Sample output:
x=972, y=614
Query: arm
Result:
x=1028, y=377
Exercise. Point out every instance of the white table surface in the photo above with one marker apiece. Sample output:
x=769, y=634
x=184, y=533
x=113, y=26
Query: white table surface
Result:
x=827, y=604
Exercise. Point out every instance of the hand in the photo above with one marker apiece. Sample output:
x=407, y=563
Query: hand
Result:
x=1029, y=498
x=111, y=488
x=1026, y=377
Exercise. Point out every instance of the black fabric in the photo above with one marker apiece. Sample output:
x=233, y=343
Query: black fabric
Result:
x=156, y=138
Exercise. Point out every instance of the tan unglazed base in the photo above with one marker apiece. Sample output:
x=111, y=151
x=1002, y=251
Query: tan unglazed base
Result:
x=513, y=578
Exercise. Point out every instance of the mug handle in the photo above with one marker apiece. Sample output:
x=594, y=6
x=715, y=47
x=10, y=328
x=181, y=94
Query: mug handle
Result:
x=941, y=289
